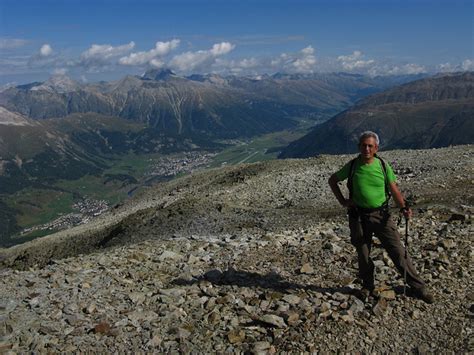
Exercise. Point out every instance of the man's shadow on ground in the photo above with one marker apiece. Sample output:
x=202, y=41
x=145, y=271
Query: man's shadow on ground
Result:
x=274, y=281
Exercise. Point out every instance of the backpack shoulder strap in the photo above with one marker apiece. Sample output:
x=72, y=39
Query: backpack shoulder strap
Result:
x=352, y=167
x=384, y=169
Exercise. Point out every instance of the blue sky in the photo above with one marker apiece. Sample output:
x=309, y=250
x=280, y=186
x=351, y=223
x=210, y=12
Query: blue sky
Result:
x=105, y=39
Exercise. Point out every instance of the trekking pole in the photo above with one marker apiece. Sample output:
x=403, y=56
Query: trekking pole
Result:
x=407, y=206
x=406, y=259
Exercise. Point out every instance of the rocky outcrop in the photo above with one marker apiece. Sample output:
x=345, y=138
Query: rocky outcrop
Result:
x=253, y=258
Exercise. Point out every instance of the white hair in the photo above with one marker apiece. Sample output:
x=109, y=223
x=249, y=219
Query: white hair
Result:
x=369, y=134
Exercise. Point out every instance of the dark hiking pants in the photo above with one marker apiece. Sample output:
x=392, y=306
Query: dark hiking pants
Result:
x=379, y=223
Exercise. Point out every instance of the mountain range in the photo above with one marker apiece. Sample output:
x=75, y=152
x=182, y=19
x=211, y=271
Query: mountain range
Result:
x=74, y=125
x=199, y=105
x=426, y=113
x=61, y=129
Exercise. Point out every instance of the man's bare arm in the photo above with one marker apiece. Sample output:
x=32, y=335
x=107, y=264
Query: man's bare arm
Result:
x=333, y=183
x=400, y=200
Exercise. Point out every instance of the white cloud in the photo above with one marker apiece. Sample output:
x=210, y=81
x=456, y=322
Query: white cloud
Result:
x=104, y=52
x=391, y=69
x=303, y=61
x=140, y=58
x=157, y=63
x=219, y=49
x=465, y=65
x=247, y=65
x=204, y=58
x=11, y=43
x=306, y=62
x=407, y=69
x=100, y=57
x=308, y=51
x=354, y=61
x=44, y=58
x=46, y=50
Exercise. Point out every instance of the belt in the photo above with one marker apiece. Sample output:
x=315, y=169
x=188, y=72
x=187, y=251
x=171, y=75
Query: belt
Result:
x=363, y=210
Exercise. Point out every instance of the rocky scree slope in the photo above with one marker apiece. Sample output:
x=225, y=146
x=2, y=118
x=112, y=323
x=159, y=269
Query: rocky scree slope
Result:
x=249, y=258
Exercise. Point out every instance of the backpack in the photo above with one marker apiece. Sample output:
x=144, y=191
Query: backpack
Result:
x=352, y=171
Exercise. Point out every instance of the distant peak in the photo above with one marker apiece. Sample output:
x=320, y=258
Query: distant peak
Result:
x=209, y=78
x=59, y=83
x=159, y=74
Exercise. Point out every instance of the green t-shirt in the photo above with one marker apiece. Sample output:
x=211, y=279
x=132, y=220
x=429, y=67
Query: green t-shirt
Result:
x=368, y=182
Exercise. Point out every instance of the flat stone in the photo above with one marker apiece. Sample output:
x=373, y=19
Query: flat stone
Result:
x=293, y=318
x=169, y=255
x=292, y=299
x=274, y=320
x=236, y=336
x=348, y=318
x=307, y=269
x=325, y=306
x=388, y=294
x=173, y=292
x=261, y=345
x=137, y=297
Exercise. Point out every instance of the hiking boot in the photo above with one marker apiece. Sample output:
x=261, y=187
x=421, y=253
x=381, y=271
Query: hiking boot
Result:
x=424, y=295
x=364, y=293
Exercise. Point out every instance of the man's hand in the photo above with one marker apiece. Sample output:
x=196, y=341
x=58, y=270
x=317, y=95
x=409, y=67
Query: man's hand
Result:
x=407, y=212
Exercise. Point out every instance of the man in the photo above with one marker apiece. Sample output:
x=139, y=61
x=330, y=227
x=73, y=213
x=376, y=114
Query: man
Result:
x=370, y=182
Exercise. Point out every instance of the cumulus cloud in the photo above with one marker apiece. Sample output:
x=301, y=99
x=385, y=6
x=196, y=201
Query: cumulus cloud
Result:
x=157, y=63
x=306, y=62
x=354, y=61
x=407, y=69
x=151, y=57
x=393, y=69
x=46, y=50
x=104, y=52
x=303, y=61
x=246, y=65
x=465, y=65
x=219, y=49
x=204, y=58
x=43, y=58
x=100, y=56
